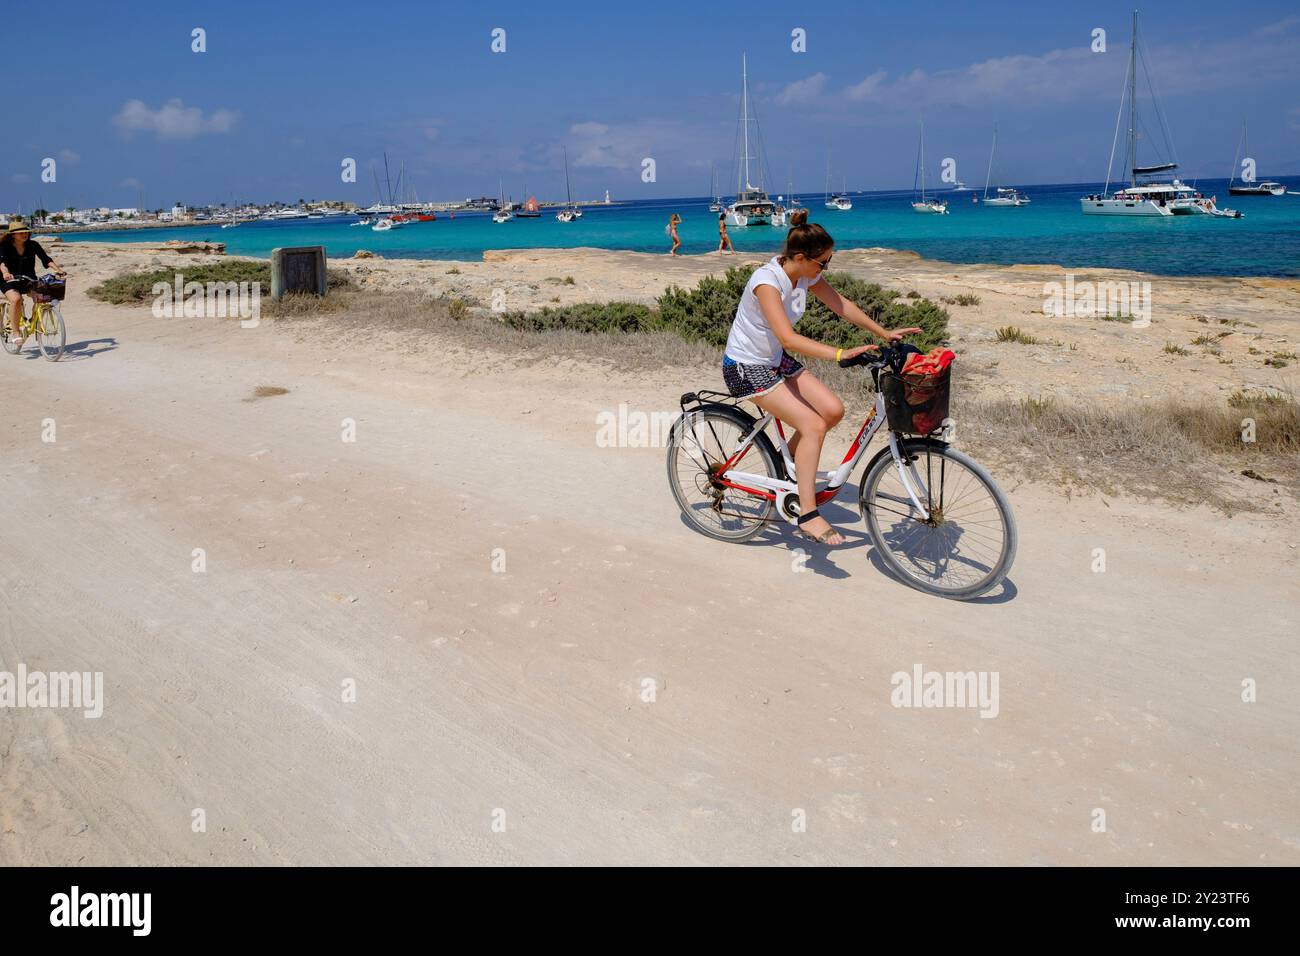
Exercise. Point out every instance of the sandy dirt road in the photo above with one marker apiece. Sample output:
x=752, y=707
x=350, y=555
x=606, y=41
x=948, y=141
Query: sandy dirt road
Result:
x=484, y=697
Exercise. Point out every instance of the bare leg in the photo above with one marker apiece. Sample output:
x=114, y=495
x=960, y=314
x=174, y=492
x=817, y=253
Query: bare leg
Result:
x=793, y=410
x=15, y=301
x=814, y=392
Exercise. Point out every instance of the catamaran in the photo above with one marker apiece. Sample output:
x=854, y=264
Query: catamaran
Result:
x=921, y=204
x=716, y=204
x=1146, y=195
x=1250, y=187
x=1003, y=196
x=752, y=206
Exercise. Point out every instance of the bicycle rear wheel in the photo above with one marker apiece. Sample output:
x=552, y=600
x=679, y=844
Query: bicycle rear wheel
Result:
x=700, y=442
x=966, y=546
x=51, y=334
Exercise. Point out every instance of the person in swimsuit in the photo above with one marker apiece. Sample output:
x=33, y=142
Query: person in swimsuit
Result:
x=672, y=231
x=724, y=240
x=757, y=364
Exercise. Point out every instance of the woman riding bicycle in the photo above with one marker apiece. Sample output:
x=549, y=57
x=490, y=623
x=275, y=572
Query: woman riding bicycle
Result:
x=18, y=255
x=757, y=364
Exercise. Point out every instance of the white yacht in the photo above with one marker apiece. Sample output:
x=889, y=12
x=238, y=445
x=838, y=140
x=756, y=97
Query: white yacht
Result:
x=919, y=201
x=839, y=201
x=570, y=212
x=503, y=213
x=1002, y=196
x=752, y=206
x=1250, y=187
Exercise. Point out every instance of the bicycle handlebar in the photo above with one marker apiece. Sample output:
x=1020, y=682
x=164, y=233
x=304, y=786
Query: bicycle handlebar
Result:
x=885, y=355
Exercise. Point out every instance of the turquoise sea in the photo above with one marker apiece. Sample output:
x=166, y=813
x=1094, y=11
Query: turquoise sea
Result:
x=1050, y=230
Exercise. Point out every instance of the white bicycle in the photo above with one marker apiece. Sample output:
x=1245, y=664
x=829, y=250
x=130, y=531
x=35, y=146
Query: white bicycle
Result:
x=937, y=519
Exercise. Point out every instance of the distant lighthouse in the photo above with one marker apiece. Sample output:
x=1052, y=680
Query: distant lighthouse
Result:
x=606, y=197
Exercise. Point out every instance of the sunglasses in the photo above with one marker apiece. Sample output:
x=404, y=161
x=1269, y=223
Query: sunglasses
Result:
x=824, y=263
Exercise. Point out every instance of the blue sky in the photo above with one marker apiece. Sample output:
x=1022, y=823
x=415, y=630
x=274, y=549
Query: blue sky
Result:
x=286, y=90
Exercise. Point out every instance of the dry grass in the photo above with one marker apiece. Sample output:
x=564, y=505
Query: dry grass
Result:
x=266, y=391
x=1170, y=449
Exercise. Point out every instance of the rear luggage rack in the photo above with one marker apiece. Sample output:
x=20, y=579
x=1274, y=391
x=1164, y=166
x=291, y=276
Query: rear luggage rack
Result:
x=693, y=400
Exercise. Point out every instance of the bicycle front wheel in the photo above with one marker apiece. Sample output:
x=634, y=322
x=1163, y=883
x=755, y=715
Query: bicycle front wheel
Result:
x=51, y=334
x=966, y=545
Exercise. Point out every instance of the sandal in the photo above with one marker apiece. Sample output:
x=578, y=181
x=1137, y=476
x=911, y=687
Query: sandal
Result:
x=824, y=537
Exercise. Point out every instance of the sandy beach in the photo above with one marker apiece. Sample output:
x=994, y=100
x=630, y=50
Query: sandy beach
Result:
x=547, y=665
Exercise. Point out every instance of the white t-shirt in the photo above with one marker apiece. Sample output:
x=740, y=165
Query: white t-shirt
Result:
x=752, y=341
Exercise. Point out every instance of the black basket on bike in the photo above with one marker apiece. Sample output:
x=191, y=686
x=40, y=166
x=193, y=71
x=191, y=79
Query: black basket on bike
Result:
x=916, y=404
x=49, y=289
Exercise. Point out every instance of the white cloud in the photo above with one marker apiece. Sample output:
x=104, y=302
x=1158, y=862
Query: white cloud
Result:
x=603, y=146
x=1281, y=26
x=130, y=183
x=867, y=88
x=173, y=120
x=20, y=178
x=1068, y=75
x=589, y=129
x=802, y=91
x=68, y=157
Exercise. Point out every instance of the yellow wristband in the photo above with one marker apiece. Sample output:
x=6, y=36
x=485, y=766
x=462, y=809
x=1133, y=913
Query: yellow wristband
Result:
x=838, y=353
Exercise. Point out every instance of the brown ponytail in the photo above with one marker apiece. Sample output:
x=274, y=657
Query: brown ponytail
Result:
x=805, y=238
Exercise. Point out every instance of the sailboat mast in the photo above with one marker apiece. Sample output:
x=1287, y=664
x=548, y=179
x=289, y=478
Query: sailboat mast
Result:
x=989, y=175
x=1237, y=158
x=744, y=113
x=1132, y=103
x=568, y=191
x=921, y=159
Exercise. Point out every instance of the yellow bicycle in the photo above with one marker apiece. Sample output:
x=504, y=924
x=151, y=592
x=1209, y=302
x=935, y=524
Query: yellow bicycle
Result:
x=43, y=320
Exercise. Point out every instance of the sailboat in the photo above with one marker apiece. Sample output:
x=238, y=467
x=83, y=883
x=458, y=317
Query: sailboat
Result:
x=569, y=212
x=840, y=200
x=530, y=209
x=503, y=213
x=795, y=205
x=716, y=204
x=1003, y=197
x=752, y=207
x=1145, y=195
x=1247, y=187
x=922, y=204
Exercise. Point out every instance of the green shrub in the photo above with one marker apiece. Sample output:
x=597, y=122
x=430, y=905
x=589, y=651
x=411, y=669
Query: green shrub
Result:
x=586, y=317
x=706, y=312
x=132, y=287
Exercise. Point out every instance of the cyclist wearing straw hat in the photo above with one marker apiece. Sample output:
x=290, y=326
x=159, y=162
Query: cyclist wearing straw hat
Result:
x=18, y=255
